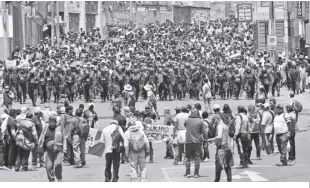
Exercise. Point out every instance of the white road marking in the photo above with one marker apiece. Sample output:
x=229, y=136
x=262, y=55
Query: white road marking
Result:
x=251, y=166
x=166, y=176
x=254, y=176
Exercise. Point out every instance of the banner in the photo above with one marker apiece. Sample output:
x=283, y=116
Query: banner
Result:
x=158, y=132
x=94, y=145
x=10, y=63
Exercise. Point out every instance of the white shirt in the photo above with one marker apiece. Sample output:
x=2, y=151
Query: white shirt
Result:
x=107, y=138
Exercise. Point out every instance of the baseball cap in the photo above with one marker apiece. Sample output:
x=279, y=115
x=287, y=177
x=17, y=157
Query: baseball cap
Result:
x=37, y=110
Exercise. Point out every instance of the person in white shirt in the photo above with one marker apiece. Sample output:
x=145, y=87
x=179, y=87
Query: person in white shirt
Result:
x=112, y=150
x=282, y=129
x=207, y=95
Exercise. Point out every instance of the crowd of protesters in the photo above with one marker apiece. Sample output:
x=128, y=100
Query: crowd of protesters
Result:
x=159, y=61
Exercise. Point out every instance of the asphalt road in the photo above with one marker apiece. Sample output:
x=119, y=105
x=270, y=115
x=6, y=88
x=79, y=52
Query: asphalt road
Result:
x=162, y=169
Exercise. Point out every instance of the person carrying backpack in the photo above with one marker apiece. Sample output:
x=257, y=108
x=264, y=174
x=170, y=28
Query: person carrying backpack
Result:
x=137, y=148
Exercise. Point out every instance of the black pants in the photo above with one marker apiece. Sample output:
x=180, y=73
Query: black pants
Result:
x=192, y=151
x=293, y=82
x=266, y=87
x=22, y=158
x=255, y=137
x=206, y=153
x=243, y=143
x=43, y=93
x=87, y=93
x=2, y=162
x=292, y=152
x=112, y=158
x=10, y=153
x=151, y=151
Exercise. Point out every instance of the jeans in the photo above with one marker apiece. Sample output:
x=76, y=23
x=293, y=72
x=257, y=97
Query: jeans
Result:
x=112, y=158
x=169, y=149
x=282, y=140
x=76, y=149
x=22, y=158
x=269, y=143
x=192, y=151
x=178, y=152
x=69, y=156
x=2, y=162
x=12, y=153
x=255, y=137
x=207, y=103
x=223, y=160
x=137, y=163
x=54, y=165
x=151, y=151
x=243, y=144
x=292, y=152
x=35, y=155
x=206, y=153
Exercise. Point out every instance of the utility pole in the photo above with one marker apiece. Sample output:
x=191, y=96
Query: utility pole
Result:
x=5, y=28
x=52, y=24
x=130, y=11
x=58, y=25
x=272, y=29
x=66, y=16
x=286, y=30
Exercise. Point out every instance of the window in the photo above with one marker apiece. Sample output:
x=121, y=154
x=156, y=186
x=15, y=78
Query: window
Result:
x=264, y=3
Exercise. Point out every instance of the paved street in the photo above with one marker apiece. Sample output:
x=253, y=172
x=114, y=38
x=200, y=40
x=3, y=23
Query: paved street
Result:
x=163, y=170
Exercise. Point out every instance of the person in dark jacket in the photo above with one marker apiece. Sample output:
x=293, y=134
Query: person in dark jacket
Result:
x=38, y=125
x=10, y=148
x=91, y=115
x=122, y=123
x=194, y=129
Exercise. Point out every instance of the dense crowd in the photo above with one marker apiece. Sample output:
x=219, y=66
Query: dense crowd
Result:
x=157, y=62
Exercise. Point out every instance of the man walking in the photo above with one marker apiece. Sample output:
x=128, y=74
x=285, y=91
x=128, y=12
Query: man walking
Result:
x=112, y=149
x=137, y=148
x=194, y=129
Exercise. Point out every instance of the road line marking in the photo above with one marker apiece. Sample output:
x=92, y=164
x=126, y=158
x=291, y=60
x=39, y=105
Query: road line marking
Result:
x=167, y=178
x=236, y=167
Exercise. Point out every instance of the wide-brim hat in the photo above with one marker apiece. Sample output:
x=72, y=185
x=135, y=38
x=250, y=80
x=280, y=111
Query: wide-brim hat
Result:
x=128, y=87
x=148, y=87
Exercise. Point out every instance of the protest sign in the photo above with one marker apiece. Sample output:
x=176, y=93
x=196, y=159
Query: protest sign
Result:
x=10, y=63
x=158, y=132
x=94, y=144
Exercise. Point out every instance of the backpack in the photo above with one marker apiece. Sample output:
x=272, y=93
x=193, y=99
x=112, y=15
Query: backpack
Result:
x=232, y=127
x=211, y=129
x=24, y=142
x=136, y=140
x=116, y=139
x=84, y=128
x=297, y=106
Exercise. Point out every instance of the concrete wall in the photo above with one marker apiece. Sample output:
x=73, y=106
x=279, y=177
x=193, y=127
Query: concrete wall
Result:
x=142, y=18
x=200, y=14
x=217, y=10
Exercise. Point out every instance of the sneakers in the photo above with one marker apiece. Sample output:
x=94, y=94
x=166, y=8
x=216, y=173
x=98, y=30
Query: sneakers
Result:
x=175, y=163
x=187, y=175
x=281, y=164
x=206, y=160
x=250, y=162
x=169, y=157
x=292, y=161
x=258, y=158
x=196, y=176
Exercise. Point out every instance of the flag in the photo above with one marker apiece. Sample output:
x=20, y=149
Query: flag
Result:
x=94, y=145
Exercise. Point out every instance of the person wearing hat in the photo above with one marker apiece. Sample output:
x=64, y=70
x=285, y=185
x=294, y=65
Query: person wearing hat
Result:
x=151, y=100
x=8, y=97
x=52, y=141
x=112, y=150
x=283, y=129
